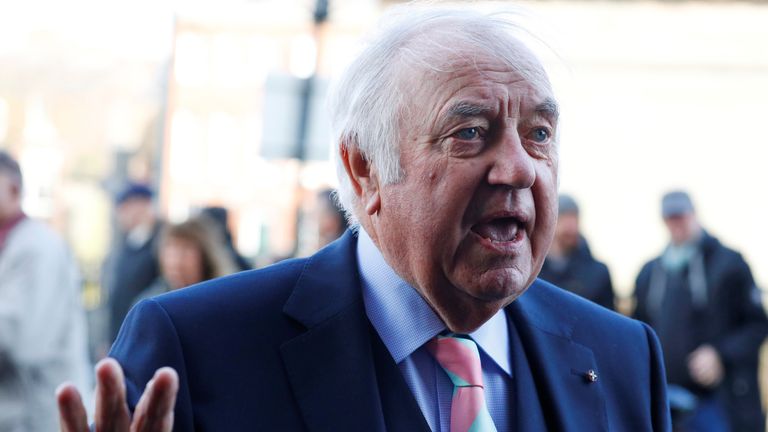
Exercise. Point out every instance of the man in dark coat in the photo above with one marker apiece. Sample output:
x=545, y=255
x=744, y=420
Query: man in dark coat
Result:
x=702, y=300
x=570, y=263
x=132, y=265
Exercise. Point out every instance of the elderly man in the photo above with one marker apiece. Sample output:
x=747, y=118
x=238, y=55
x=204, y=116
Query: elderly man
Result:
x=701, y=298
x=429, y=315
x=131, y=266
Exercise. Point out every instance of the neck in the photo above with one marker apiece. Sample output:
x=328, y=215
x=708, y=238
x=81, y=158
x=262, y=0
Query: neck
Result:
x=143, y=225
x=460, y=311
x=7, y=225
x=13, y=217
x=459, y=321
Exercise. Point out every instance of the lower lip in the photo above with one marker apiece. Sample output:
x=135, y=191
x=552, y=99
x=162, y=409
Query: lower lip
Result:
x=502, y=247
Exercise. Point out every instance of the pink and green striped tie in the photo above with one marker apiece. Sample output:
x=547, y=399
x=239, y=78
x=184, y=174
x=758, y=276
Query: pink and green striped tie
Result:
x=460, y=359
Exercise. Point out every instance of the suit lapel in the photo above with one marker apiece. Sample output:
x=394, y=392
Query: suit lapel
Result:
x=330, y=366
x=526, y=406
x=331, y=372
x=558, y=369
x=401, y=411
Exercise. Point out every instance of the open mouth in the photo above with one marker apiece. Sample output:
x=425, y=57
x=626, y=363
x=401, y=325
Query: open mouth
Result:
x=500, y=230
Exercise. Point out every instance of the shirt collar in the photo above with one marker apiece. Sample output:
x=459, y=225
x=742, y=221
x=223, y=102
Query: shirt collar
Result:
x=493, y=338
x=404, y=320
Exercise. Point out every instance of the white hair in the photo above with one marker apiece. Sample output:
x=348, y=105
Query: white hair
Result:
x=367, y=102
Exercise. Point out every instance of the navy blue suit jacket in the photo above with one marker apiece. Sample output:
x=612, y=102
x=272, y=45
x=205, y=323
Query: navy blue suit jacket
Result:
x=289, y=348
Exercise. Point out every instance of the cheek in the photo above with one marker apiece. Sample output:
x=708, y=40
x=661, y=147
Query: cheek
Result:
x=193, y=265
x=424, y=212
x=457, y=192
x=420, y=198
x=545, y=198
x=168, y=258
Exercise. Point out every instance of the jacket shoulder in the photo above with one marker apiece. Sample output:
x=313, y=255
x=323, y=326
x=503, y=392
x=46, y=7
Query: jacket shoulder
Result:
x=646, y=268
x=587, y=320
x=721, y=252
x=626, y=352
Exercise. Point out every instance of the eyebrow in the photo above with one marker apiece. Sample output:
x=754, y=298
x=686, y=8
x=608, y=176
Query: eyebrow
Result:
x=548, y=108
x=464, y=109
x=467, y=109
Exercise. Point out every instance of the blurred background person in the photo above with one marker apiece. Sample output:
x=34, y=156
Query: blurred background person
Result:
x=331, y=222
x=188, y=253
x=570, y=263
x=43, y=339
x=132, y=264
x=220, y=217
x=702, y=301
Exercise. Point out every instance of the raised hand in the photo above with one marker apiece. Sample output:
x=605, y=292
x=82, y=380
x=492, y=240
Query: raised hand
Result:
x=154, y=412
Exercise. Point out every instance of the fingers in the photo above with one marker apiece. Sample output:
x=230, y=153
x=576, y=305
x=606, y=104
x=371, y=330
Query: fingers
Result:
x=112, y=413
x=72, y=416
x=154, y=412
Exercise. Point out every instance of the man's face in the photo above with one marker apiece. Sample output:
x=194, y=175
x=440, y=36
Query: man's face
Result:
x=472, y=220
x=567, y=231
x=133, y=212
x=682, y=228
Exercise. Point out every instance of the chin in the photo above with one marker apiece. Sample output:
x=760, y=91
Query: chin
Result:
x=513, y=278
x=498, y=285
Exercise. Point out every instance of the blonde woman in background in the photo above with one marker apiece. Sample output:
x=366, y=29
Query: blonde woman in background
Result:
x=188, y=253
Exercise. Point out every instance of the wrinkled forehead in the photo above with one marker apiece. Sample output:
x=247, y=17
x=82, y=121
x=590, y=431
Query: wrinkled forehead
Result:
x=438, y=54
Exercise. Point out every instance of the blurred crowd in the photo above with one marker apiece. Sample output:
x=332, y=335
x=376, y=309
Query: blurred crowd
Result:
x=697, y=294
x=702, y=301
x=44, y=338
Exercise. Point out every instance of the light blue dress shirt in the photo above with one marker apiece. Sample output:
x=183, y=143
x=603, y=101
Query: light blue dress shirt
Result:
x=405, y=322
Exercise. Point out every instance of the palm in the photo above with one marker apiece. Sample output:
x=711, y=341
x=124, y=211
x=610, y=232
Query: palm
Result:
x=154, y=412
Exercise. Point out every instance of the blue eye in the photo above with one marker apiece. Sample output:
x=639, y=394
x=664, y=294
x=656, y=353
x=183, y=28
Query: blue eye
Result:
x=468, y=133
x=540, y=134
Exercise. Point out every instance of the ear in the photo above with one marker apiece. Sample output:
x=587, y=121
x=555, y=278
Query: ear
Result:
x=361, y=174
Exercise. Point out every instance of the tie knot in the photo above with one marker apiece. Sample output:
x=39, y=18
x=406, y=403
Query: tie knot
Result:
x=460, y=359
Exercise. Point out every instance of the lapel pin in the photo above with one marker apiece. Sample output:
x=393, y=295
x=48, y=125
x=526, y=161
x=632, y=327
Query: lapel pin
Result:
x=591, y=376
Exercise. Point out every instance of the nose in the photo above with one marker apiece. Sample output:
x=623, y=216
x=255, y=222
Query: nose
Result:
x=512, y=165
